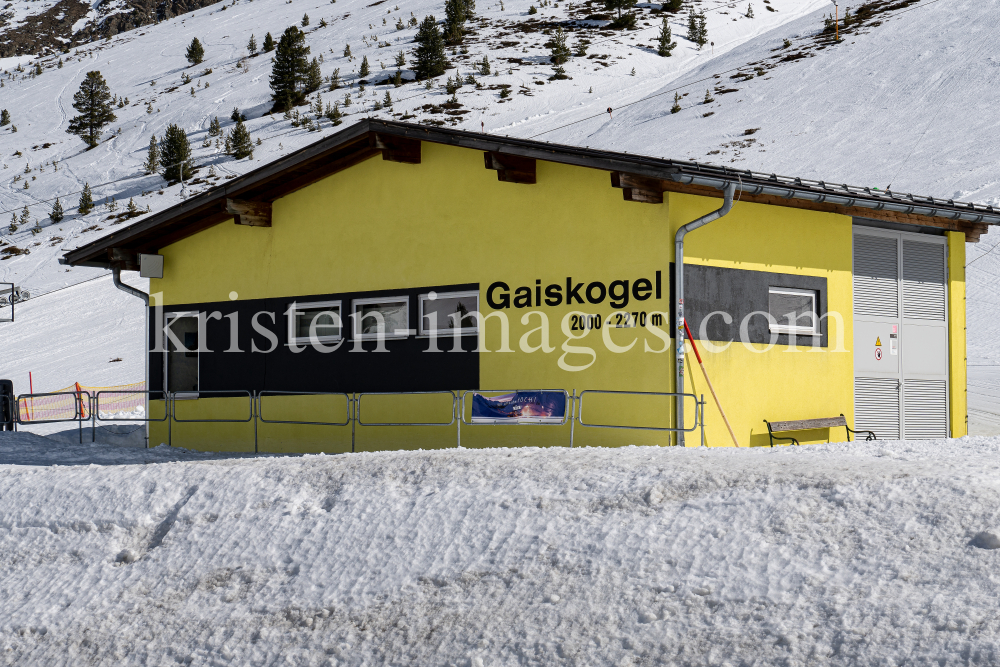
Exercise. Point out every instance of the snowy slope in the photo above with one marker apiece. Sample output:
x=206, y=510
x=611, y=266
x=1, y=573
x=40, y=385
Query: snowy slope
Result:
x=861, y=554
x=72, y=335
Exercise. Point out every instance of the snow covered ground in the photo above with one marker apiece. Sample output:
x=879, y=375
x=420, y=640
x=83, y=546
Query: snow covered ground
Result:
x=861, y=554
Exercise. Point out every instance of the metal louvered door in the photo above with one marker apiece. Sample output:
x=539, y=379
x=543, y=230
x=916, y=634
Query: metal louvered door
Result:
x=925, y=327
x=900, y=334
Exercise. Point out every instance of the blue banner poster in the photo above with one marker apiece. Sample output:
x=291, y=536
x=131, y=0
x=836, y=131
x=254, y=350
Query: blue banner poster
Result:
x=519, y=407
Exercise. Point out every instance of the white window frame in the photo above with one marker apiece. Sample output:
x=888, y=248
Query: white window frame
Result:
x=356, y=320
x=168, y=319
x=783, y=328
x=462, y=331
x=299, y=307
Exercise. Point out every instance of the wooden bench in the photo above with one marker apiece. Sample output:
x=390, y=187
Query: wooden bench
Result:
x=807, y=424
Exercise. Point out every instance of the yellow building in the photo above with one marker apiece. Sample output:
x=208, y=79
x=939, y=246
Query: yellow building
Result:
x=393, y=258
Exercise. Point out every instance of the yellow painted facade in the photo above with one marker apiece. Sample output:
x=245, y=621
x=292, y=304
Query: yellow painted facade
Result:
x=383, y=225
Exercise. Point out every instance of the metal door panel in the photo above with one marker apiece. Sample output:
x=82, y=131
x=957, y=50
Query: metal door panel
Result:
x=872, y=350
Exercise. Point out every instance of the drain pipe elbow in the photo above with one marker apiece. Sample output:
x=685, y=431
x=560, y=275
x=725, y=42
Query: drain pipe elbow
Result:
x=728, y=191
x=116, y=276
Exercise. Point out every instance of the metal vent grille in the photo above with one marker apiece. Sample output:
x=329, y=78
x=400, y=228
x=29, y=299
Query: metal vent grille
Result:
x=925, y=409
x=924, y=281
x=876, y=406
x=876, y=276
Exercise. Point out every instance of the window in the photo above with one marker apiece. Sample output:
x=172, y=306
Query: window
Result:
x=444, y=312
x=324, y=316
x=181, y=365
x=793, y=310
x=386, y=317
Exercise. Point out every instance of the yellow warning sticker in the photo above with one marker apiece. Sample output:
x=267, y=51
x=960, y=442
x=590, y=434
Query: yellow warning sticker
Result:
x=878, y=341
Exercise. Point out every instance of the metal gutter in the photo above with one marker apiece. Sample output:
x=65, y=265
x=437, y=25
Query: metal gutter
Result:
x=116, y=277
x=850, y=199
x=728, y=191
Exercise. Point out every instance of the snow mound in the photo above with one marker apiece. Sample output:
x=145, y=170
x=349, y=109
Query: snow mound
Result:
x=847, y=554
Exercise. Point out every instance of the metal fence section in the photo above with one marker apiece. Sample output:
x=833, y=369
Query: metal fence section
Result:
x=81, y=406
x=53, y=407
x=216, y=393
x=699, y=411
x=116, y=402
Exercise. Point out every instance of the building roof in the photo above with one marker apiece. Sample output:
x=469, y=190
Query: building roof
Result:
x=642, y=179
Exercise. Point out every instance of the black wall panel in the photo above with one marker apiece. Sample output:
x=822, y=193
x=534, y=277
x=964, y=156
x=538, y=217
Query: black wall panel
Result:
x=406, y=366
x=740, y=292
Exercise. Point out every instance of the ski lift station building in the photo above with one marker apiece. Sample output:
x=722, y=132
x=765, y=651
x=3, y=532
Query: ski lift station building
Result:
x=392, y=257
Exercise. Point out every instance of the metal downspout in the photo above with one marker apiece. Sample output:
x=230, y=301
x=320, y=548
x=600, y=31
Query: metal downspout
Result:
x=116, y=276
x=728, y=190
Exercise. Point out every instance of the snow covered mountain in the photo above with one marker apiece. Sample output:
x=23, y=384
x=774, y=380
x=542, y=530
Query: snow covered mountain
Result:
x=904, y=99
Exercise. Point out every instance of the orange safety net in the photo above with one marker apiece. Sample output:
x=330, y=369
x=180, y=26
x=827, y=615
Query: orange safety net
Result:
x=74, y=402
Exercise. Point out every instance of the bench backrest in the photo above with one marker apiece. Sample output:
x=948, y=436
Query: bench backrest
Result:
x=807, y=424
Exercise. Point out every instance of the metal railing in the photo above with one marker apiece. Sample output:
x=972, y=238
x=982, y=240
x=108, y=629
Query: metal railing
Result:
x=699, y=411
x=55, y=410
x=86, y=407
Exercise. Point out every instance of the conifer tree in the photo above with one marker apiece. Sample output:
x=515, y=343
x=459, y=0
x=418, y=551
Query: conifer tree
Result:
x=236, y=116
x=672, y=6
x=387, y=101
x=305, y=20
x=57, y=211
x=347, y=50
x=429, y=58
x=455, y=17
x=335, y=79
x=702, y=30
x=365, y=70
x=619, y=6
x=25, y=216
x=333, y=113
x=86, y=204
x=152, y=163
x=195, y=52
x=708, y=97
x=291, y=63
x=268, y=43
x=484, y=66
x=132, y=211
x=214, y=128
x=175, y=154
x=314, y=77
x=238, y=143
x=665, y=44
x=750, y=12
x=692, y=26
x=677, y=103
x=400, y=59
x=93, y=101
x=560, y=51
x=252, y=45
x=4, y=117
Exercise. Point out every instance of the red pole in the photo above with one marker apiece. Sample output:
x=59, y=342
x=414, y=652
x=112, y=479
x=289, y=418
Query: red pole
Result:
x=709, y=382
x=31, y=388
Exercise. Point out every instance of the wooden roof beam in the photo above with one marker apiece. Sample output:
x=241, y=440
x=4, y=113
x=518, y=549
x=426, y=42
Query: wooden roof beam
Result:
x=125, y=259
x=249, y=213
x=397, y=149
x=512, y=168
x=638, y=188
